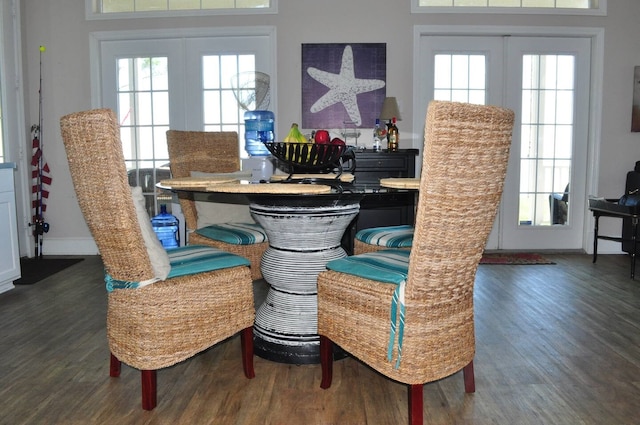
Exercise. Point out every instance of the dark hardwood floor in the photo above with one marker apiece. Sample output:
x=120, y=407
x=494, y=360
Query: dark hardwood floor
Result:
x=556, y=344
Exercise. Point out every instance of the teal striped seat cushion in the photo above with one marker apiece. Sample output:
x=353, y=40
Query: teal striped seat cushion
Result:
x=184, y=261
x=389, y=237
x=388, y=266
x=234, y=233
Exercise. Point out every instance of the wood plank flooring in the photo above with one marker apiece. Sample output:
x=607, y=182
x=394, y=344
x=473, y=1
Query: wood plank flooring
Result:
x=556, y=344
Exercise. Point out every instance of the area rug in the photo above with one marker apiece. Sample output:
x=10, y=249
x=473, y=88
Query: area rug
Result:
x=35, y=269
x=516, y=258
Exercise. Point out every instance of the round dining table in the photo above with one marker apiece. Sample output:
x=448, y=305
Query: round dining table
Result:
x=304, y=220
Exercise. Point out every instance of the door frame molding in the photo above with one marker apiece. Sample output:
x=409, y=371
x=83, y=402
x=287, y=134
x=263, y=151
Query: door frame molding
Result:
x=596, y=34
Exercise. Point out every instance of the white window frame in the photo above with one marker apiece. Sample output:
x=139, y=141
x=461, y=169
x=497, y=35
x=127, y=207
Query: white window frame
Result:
x=600, y=10
x=91, y=13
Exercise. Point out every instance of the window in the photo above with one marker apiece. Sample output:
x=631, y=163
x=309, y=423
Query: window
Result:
x=143, y=114
x=143, y=111
x=159, y=80
x=555, y=7
x=547, y=122
x=546, y=137
x=221, y=100
x=460, y=78
x=117, y=9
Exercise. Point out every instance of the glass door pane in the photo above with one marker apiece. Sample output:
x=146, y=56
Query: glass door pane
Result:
x=460, y=78
x=181, y=83
x=546, y=139
x=229, y=86
x=143, y=114
x=545, y=81
x=544, y=194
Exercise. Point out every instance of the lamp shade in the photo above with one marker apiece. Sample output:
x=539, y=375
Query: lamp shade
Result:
x=390, y=109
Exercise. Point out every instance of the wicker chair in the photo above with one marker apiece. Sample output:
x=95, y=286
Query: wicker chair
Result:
x=209, y=152
x=161, y=324
x=464, y=164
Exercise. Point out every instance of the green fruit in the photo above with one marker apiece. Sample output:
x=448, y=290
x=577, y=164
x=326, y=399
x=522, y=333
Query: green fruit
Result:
x=294, y=135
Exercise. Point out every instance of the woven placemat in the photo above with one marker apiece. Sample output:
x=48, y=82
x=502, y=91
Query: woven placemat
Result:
x=196, y=181
x=345, y=178
x=400, y=183
x=276, y=188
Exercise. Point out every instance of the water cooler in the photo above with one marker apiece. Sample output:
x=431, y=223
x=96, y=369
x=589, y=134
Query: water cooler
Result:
x=259, y=128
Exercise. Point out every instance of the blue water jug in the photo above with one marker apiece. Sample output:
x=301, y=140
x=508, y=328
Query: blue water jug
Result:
x=258, y=128
x=166, y=226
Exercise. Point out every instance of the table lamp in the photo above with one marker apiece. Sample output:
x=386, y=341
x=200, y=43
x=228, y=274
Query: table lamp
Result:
x=389, y=110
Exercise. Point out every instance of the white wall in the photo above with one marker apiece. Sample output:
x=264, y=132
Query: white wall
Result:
x=60, y=26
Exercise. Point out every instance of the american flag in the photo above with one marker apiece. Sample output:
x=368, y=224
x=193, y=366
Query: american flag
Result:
x=41, y=180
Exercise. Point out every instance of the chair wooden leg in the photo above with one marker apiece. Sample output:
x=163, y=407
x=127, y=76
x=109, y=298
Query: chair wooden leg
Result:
x=246, y=342
x=469, y=378
x=415, y=404
x=149, y=389
x=114, y=366
x=326, y=361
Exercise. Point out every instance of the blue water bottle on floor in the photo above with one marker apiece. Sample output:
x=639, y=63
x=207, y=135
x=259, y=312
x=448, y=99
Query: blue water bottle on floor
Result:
x=166, y=226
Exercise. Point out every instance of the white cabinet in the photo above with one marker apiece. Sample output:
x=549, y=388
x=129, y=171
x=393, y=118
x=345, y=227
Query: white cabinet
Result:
x=9, y=249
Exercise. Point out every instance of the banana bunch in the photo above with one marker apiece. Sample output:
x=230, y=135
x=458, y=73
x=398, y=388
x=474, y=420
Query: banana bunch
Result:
x=294, y=135
x=296, y=152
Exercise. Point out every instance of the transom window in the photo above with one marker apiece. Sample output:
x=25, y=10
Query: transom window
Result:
x=111, y=9
x=576, y=7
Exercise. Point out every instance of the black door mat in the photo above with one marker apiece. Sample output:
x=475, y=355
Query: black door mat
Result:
x=35, y=269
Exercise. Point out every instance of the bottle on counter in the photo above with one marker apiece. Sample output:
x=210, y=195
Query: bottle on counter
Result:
x=166, y=227
x=393, y=136
x=376, y=136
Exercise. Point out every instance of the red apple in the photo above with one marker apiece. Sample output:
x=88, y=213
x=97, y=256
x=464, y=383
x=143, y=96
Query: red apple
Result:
x=322, y=137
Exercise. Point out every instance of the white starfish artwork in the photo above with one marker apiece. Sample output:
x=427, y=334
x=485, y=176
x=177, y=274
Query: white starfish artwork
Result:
x=343, y=87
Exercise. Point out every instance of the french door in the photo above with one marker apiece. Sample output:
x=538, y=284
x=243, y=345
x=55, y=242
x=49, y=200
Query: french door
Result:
x=546, y=82
x=156, y=81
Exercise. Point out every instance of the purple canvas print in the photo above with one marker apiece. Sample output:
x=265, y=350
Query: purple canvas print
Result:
x=343, y=84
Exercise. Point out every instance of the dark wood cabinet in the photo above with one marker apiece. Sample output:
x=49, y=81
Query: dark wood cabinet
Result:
x=373, y=166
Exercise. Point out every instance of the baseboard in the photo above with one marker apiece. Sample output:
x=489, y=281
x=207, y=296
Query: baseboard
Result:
x=6, y=286
x=66, y=246
x=87, y=246
x=608, y=247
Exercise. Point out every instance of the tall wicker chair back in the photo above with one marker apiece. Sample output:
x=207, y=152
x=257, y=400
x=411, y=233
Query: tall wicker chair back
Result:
x=209, y=152
x=466, y=149
x=166, y=322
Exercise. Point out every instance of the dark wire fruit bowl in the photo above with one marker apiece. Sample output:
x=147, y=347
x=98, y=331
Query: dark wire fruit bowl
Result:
x=307, y=156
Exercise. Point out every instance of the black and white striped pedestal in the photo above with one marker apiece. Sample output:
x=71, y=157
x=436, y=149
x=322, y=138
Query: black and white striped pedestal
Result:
x=304, y=234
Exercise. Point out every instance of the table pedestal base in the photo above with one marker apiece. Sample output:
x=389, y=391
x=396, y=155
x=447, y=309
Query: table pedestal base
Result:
x=302, y=240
